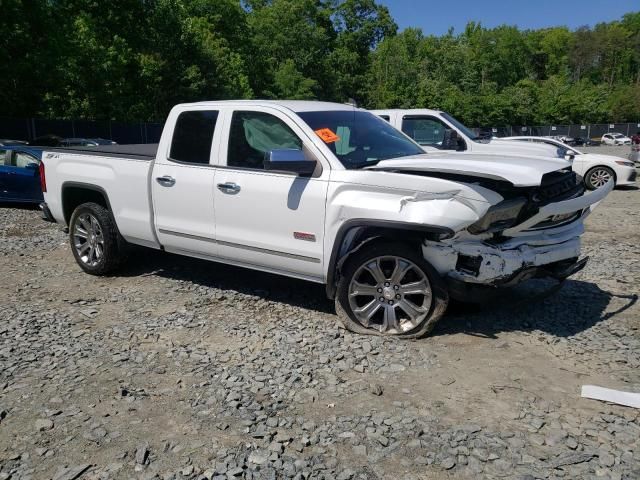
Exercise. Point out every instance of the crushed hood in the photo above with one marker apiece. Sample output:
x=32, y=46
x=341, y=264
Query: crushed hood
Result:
x=520, y=171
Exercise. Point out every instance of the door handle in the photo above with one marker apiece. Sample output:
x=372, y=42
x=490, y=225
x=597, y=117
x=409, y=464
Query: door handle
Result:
x=229, y=187
x=166, y=181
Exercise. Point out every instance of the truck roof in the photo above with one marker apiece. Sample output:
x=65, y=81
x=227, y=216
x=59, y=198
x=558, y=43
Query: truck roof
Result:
x=293, y=105
x=414, y=111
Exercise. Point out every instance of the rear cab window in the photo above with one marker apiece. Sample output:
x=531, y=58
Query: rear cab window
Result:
x=193, y=136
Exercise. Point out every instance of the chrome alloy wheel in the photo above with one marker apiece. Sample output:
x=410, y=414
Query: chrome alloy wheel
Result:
x=599, y=177
x=390, y=294
x=88, y=240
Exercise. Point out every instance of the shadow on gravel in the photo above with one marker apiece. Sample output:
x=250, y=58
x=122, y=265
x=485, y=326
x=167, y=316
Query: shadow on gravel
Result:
x=21, y=206
x=536, y=305
x=204, y=273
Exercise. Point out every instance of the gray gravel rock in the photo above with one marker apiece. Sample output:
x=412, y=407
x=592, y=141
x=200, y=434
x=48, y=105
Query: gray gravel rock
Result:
x=181, y=369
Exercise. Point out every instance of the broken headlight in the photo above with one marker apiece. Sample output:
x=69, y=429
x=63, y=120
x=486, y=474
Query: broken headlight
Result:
x=503, y=215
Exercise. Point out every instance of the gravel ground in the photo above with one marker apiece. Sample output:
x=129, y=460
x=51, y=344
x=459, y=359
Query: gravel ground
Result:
x=182, y=369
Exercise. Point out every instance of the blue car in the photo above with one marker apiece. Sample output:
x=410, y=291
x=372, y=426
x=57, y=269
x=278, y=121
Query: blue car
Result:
x=19, y=174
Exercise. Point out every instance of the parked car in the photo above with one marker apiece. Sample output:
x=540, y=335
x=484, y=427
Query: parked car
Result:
x=595, y=169
x=436, y=131
x=327, y=193
x=566, y=139
x=586, y=142
x=85, y=142
x=46, y=141
x=5, y=142
x=615, y=139
x=19, y=174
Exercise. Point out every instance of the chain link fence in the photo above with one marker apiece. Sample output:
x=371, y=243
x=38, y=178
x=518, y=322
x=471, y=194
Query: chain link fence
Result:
x=593, y=130
x=149, y=132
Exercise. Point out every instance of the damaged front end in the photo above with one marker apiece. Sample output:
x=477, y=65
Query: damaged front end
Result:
x=533, y=232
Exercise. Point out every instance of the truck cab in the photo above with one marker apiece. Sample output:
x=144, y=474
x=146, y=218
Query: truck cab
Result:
x=438, y=131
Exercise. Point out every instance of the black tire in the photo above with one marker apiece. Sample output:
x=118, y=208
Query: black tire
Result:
x=440, y=296
x=113, y=245
x=591, y=177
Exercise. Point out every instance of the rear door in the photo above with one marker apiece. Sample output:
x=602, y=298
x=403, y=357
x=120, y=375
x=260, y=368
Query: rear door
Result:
x=182, y=185
x=268, y=219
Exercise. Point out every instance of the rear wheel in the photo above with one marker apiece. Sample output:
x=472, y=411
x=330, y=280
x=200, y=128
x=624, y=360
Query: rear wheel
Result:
x=389, y=289
x=95, y=241
x=598, y=177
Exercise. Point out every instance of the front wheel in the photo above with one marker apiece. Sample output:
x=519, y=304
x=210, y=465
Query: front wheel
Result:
x=95, y=240
x=598, y=177
x=389, y=289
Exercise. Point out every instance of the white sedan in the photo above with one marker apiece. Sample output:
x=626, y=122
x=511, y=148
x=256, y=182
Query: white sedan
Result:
x=615, y=139
x=596, y=169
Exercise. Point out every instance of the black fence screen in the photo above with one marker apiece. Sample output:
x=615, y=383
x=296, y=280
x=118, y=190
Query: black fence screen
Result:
x=149, y=132
x=121, y=132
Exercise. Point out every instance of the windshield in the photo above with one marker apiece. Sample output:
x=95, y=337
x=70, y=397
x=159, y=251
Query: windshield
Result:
x=456, y=123
x=359, y=139
x=617, y=135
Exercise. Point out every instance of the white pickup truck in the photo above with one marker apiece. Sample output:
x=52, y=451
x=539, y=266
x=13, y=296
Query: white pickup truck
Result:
x=326, y=193
x=438, y=131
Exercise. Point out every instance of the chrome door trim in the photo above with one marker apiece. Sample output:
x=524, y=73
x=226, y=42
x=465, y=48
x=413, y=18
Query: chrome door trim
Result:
x=241, y=246
x=187, y=235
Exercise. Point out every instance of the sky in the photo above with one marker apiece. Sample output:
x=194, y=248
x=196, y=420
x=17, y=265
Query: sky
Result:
x=435, y=17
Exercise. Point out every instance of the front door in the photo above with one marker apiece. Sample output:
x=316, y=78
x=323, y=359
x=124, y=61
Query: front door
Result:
x=267, y=219
x=24, y=177
x=183, y=184
x=425, y=130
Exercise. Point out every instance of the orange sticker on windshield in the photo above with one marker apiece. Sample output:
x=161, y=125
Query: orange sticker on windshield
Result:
x=327, y=135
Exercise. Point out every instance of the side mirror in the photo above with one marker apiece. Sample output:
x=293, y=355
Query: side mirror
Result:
x=450, y=140
x=32, y=166
x=289, y=160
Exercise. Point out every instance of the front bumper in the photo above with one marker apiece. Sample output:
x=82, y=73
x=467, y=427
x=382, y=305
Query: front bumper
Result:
x=475, y=293
x=628, y=176
x=531, y=249
x=504, y=264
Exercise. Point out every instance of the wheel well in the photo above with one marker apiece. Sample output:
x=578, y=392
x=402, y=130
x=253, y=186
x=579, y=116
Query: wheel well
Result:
x=355, y=234
x=74, y=195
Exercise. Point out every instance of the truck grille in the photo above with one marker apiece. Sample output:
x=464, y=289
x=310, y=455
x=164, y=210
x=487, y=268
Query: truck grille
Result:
x=558, y=186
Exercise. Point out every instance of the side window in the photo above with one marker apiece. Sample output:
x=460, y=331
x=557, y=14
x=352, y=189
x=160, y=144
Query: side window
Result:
x=424, y=130
x=21, y=159
x=3, y=157
x=192, y=136
x=253, y=134
x=385, y=117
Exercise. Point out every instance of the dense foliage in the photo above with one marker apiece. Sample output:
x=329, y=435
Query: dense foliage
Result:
x=134, y=59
